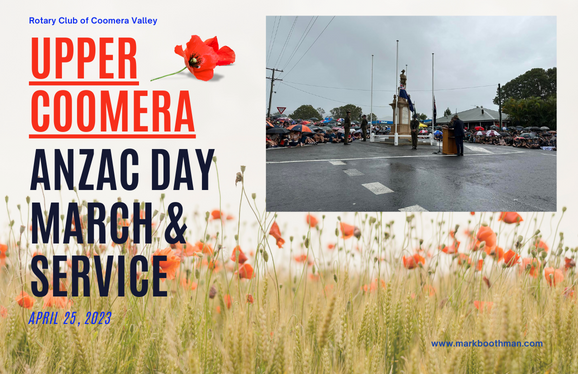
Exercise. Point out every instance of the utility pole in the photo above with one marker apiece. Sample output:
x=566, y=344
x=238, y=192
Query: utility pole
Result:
x=272, y=84
x=500, y=104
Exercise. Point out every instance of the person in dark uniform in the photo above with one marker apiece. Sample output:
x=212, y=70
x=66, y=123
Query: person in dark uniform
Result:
x=364, y=127
x=346, y=126
x=414, y=125
x=458, y=127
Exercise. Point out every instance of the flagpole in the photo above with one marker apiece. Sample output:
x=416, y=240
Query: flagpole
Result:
x=432, y=101
x=371, y=104
x=395, y=138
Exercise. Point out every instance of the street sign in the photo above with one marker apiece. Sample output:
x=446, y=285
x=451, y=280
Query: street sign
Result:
x=281, y=109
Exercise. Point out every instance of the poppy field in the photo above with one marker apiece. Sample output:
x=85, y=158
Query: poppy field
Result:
x=345, y=296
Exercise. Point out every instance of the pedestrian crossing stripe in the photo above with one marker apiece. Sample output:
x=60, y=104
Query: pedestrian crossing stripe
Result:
x=377, y=188
x=413, y=208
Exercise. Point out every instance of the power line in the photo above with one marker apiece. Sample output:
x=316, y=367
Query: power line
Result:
x=286, y=41
x=302, y=39
x=275, y=36
x=327, y=98
x=297, y=63
x=271, y=38
x=364, y=89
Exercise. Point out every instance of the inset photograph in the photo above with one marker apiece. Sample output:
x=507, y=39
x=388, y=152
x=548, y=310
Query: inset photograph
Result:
x=411, y=113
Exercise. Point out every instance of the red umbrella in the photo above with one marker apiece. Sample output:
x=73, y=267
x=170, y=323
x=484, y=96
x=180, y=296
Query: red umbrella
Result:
x=480, y=128
x=305, y=122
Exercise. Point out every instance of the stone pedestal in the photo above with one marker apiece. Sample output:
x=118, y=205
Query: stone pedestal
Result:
x=403, y=116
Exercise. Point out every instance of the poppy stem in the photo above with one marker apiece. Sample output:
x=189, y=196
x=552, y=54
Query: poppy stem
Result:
x=169, y=74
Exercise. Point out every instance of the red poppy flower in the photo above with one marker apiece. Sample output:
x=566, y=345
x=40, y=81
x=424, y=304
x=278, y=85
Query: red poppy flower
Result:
x=511, y=258
x=311, y=221
x=226, y=55
x=496, y=252
x=3, y=250
x=245, y=271
x=170, y=265
x=481, y=305
x=541, y=246
x=54, y=302
x=553, y=276
x=510, y=217
x=216, y=214
x=276, y=233
x=569, y=263
x=347, y=230
x=250, y=298
x=530, y=264
x=3, y=312
x=237, y=252
x=228, y=301
x=200, y=58
x=24, y=300
x=486, y=234
x=301, y=258
x=452, y=249
x=413, y=261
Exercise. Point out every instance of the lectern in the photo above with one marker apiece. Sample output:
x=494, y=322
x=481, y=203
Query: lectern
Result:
x=449, y=147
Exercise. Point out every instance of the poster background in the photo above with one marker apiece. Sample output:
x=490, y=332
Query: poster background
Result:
x=228, y=111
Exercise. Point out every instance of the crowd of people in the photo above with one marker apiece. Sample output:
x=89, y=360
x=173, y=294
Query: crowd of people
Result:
x=515, y=138
x=297, y=139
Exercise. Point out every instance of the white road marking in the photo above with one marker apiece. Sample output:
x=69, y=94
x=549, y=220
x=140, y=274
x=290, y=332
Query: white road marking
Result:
x=337, y=163
x=386, y=157
x=474, y=148
x=413, y=208
x=353, y=172
x=377, y=188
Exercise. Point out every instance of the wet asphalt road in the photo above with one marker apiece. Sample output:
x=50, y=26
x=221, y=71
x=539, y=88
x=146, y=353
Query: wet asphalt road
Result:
x=368, y=176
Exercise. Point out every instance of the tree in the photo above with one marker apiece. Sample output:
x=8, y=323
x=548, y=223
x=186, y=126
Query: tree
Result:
x=305, y=112
x=532, y=111
x=370, y=118
x=341, y=111
x=536, y=82
x=321, y=111
x=421, y=116
x=447, y=112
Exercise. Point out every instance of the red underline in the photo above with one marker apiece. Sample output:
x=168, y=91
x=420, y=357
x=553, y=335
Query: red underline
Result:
x=83, y=83
x=112, y=136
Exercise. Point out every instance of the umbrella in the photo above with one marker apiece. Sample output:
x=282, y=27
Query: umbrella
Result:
x=494, y=127
x=357, y=132
x=438, y=127
x=423, y=131
x=479, y=133
x=544, y=128
x=300, y=128
x=269, y=125
x=315, y=128
x=336, y=128
x=422, y=125
x=492, y=133
x=305, y=122
x=480, y=128
x=277, y=130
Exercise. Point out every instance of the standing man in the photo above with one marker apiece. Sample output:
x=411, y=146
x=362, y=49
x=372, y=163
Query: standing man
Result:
x=346, y=125
x=364, y=126
x=414, y=125
x=458, y=127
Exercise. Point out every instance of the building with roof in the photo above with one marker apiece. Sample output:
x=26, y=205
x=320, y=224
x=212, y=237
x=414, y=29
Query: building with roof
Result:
x=478, y=116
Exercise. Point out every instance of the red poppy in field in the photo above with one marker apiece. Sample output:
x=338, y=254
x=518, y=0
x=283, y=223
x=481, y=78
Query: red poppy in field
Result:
x=54, y=302
x=496, y=252
x=430, y=290
x=541, y=246
x=226, y=55
x=568, y=292
x=188, y=284
x=569, y=263
x=480, y=265
x=511, y=258
x=331, y=246
x=3, y=312
x=412, y=262
x=186, y=249
x=238, y=253
x=170, y=265
x=245, y=271
x=200, y=58
x=314, y=277
x=486, y=234
x=553, y=276
x=311, y=221
x=483, y=305
x=301, y=258
x=532, y=265
x=3, y=250
x=464, y=259
x=24, y=300
x=276, y=233
x=510, y=217
x=347, y=231
x=250, y=299
x=452, y=249
x=216, y=214
x=228, y=301
x=473, y=213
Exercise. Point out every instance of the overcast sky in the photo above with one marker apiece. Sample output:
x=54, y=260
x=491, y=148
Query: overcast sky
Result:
x=472, y=55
